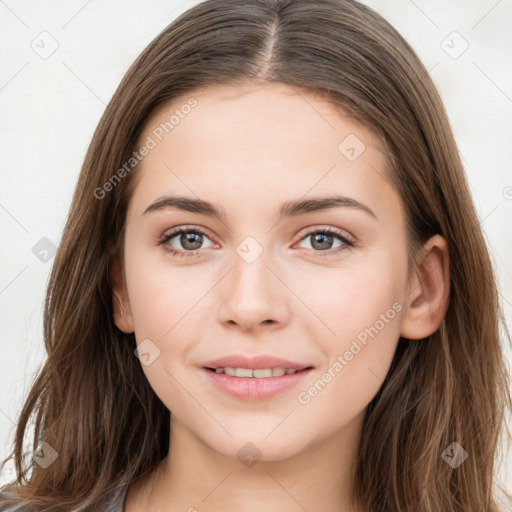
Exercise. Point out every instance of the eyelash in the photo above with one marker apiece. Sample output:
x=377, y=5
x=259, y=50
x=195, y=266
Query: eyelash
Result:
x=348, y=244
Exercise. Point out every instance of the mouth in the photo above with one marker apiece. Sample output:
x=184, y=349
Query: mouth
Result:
x=254, y=384
x=257, y=373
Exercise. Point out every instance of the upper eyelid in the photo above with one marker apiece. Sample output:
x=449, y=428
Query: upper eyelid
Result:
x=334, y=231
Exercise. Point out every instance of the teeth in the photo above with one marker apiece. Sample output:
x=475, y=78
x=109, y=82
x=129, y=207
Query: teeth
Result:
x=242, y=372
x=259, y=373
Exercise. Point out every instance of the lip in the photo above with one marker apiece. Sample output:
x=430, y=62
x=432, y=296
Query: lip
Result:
x=252, y=388
x=254, y=362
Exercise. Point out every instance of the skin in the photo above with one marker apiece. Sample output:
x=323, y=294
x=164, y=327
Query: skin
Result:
x=249, y=149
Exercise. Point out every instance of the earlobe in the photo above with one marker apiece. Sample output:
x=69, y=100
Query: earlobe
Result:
x=120, y=304
x=428, y=292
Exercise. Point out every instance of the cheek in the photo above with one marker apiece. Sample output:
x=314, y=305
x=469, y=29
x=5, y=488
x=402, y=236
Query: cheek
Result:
x=163, y=301
x=162, y=296
x=356, y=360
x=352, y=296
x=357, y=328
x=168, y=308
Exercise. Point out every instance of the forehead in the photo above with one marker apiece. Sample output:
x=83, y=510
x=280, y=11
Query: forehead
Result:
x=263, y=143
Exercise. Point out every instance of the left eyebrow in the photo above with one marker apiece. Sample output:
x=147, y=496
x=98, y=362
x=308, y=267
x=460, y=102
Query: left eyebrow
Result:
x=300, y=207
x=187, y=204
x=288, y=209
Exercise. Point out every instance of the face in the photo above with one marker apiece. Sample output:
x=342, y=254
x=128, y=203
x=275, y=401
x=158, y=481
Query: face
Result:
x=320, y=287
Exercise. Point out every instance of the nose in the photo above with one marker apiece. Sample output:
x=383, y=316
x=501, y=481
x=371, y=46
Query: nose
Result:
x=251, y=296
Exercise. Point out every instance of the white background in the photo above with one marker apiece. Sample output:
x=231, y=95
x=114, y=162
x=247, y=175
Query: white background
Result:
x=50, y=107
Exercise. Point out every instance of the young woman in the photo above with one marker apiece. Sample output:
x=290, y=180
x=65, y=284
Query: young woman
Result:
x=272, y=289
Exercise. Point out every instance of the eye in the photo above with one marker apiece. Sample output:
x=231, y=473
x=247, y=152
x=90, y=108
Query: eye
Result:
x=190, y=239
x=322, y=241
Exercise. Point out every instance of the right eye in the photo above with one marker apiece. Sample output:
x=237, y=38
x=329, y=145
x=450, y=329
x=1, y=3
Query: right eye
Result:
x=190, y=240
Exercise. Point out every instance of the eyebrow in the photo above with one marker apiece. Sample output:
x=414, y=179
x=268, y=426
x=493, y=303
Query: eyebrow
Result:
x=288, y=209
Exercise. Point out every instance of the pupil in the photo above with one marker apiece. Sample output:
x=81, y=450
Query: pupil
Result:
x=321, y=238
x=188, y=238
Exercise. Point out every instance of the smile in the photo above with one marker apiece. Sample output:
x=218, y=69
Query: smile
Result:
x=254, y=384
x=262, y=373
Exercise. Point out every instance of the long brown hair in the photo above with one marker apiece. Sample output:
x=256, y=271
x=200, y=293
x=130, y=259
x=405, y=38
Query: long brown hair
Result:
x=91, y=402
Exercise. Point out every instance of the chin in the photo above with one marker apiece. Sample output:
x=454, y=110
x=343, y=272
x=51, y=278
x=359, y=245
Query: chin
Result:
x=257, y=447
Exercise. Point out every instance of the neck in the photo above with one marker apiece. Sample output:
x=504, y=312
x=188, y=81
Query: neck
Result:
x=194, y=477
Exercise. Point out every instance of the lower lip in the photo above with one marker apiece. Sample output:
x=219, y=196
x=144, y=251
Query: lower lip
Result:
x=252, y=388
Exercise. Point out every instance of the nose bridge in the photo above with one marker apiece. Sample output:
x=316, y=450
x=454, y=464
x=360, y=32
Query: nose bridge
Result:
x=252, y=294
x=251, y=276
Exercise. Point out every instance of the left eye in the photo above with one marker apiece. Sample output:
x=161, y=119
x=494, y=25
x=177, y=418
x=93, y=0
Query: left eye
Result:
x=322, y=241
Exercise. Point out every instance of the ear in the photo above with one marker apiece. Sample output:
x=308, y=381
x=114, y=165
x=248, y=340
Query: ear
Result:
x=428, y=291
x=120, y=303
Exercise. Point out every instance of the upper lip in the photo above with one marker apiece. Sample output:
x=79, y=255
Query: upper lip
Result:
x=255, y=362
